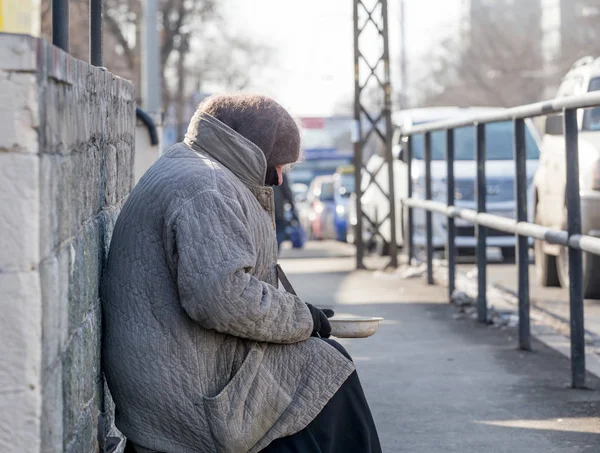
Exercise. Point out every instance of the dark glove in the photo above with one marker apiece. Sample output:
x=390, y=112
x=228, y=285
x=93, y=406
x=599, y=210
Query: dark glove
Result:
x=321, y=326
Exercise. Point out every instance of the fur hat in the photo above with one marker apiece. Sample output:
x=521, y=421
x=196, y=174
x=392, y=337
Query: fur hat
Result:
x=262, y=121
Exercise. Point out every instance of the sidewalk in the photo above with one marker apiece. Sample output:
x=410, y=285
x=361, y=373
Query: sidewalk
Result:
x=439, y=384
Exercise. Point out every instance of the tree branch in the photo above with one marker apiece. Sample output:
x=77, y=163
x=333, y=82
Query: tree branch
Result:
x=116, y=31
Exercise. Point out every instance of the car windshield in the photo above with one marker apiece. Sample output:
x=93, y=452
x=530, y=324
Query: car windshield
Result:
x=326, y=191
x=591, y=117
x=498, y=137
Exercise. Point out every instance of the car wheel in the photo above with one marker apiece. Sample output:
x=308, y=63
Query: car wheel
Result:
x=591, y=267
x=466, y=251
x=562, y=267
x=341, y=233
x=591, y=283
x=309, y=232
x=509, y=254
x=382, y=247
x=545, y=265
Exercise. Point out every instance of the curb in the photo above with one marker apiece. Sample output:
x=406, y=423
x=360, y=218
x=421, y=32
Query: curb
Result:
x=549, y=328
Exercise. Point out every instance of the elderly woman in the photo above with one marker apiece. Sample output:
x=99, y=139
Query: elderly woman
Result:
x=201, y=350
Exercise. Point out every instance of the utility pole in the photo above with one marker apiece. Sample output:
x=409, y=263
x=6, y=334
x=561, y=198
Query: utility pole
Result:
x=151, y=73
x=180, y=98
x=147, y=148
x=403, y=72
x=373, y=122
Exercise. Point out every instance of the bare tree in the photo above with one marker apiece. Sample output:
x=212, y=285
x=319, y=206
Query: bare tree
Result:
x=195, y=45
x=579, y=37
x=497, y=62
x=499, y=59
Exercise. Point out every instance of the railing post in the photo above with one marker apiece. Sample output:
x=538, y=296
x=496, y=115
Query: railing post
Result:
x=520, y=152
x=428, y=214
x=481, y=191
x=450, y=247
x=60, y=24
x=409, y=239
x=575, y=255
x=96, y=33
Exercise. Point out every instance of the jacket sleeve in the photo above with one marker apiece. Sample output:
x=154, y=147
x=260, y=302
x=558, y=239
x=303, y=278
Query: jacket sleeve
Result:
x=214, y=259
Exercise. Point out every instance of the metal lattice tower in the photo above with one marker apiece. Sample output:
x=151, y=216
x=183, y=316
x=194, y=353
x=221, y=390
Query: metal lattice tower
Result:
x=372, y=112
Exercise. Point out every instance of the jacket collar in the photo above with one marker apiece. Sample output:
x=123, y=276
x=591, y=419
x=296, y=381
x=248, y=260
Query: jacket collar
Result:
x=242, y=157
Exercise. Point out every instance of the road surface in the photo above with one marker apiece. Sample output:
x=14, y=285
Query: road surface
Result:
x=441, y=384
x=551, y=300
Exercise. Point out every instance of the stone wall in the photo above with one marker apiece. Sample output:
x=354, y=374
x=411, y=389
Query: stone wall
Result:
x=66, y=165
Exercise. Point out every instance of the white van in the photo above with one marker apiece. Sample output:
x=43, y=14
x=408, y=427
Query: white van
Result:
x=552, y=267
x=500, y=177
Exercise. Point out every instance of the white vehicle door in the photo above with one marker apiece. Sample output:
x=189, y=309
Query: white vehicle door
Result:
x=553, y=166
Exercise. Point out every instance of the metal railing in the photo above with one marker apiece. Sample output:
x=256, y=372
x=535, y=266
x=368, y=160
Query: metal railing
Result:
x=572, y=238
x=60, y=28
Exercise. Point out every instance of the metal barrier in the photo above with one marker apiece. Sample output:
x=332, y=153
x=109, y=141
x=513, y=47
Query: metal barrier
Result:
x=60, y=28
x=572, y=238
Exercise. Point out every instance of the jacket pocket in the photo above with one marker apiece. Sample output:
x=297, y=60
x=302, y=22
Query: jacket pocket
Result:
x=249, y=405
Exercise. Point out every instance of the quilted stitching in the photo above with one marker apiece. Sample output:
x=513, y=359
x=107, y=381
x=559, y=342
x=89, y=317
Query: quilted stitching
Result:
x=191, y=305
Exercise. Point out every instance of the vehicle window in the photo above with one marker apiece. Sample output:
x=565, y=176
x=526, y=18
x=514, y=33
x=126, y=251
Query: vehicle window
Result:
x=326, y=191
x=499, y=143
x=591, y=117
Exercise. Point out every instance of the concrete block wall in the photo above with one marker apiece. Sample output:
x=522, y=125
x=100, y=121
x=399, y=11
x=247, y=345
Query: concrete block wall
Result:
x=67, y=134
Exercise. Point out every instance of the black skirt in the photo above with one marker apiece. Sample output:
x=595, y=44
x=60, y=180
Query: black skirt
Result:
x=345, y=425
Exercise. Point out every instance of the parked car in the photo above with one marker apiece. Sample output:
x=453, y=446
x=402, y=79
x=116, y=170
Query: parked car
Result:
x=303, y=208
x=321, y=201
x=550, y=183
x=374, y=202
x=300, y=192
x=500, y=178
x=344, y=182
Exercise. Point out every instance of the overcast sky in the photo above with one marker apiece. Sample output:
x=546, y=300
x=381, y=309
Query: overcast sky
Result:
x=312, y=66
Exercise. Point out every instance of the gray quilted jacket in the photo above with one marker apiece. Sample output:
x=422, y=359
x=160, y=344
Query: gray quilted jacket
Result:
x=201, y=351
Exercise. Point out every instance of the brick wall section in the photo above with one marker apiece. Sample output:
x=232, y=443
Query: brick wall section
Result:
x=66, y=166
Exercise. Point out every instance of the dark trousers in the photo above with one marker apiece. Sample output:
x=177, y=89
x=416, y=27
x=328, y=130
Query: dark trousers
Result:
x=345, y=425
x=280, y=232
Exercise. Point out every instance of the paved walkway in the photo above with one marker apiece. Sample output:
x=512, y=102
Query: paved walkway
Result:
x=439, y=384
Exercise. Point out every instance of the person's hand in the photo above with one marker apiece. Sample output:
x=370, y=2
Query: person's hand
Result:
x=321, y=325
